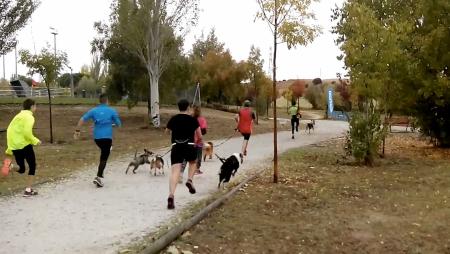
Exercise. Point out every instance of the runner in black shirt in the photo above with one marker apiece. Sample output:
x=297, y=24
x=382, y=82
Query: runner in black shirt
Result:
x=185, y=130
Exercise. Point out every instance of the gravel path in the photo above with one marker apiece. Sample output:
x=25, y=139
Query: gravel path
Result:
x=73, y=216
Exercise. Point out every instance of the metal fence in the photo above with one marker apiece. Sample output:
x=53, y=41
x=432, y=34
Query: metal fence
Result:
x=36, y=93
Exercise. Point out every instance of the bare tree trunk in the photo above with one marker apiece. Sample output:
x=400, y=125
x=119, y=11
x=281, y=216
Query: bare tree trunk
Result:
x=275, y=136
x=153, y=103
x=50, y=112
x=256, y=102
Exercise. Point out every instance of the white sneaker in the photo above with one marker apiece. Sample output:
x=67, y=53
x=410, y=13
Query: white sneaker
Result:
x=97, y=181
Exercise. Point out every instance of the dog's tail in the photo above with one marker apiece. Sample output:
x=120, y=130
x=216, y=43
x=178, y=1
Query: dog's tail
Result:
x=220, y=158
x=210, y=143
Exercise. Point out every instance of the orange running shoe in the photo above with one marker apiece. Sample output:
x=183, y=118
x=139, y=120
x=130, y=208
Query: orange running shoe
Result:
x=6, y=167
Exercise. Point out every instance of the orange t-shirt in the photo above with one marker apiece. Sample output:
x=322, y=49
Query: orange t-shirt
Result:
x=245, y=121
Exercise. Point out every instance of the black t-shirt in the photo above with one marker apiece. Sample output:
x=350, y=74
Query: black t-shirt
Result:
x=183, y=128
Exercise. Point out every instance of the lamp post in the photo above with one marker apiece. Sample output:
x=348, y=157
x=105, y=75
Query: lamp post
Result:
x=4, y=70
x=54, y=32
x=15, y=54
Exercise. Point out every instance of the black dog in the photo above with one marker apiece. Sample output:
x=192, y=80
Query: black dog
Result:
x=229, y=167
x=139, y=160
x=310, y=126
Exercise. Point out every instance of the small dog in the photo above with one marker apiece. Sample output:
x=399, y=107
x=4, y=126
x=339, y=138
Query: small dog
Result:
x=139, y=160
x=310, y=126
x=157, y=164
x=229, y=167
x=208, y=150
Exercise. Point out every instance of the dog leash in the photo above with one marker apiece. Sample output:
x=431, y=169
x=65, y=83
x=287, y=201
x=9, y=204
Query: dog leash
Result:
x=166, y=152
x=227, y=139
x=223, y=142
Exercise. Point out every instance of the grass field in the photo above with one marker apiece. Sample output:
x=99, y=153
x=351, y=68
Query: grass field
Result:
x=326, y=204
x=66, y=155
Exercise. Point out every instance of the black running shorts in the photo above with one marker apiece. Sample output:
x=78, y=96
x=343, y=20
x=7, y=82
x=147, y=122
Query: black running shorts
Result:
x=183, y=152
x=246, y=136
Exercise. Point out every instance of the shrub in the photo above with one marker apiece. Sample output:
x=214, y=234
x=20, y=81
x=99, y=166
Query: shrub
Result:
x=433, y=118
x=90, y=86
x=316, y=96
x=365, y=135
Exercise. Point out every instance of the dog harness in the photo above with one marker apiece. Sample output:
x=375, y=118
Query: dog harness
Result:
x=183, y=142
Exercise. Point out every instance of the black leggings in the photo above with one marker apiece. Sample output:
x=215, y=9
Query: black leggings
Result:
x=26, y=153
x=294, y=123
x=105, y=147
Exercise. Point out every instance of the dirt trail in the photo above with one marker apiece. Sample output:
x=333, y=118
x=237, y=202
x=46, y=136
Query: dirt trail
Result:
x=73, y=216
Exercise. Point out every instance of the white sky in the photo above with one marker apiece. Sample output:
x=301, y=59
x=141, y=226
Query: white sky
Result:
x=234, y=21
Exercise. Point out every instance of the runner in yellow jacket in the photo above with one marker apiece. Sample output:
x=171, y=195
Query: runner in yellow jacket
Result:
x=20, y=142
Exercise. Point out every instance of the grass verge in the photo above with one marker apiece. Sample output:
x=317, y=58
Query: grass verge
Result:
x=325, y=205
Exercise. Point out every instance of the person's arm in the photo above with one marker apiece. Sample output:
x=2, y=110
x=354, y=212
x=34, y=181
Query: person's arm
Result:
x=237, y=118
x=28, y=132
x=168, y=129
x=116, y=119
x=80, y=123
x=77, y=133
x=199, y=136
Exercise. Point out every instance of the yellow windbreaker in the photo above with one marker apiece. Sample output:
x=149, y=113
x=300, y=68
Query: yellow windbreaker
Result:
x=20, y=132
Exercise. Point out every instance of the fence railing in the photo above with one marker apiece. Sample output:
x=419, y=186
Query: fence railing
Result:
x=36, y=92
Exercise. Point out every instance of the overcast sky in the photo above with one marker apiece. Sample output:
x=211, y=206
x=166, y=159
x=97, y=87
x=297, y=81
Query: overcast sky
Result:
x=233, y=20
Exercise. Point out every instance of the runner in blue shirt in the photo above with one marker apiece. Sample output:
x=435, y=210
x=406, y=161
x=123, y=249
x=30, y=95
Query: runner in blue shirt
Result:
x=104, y=117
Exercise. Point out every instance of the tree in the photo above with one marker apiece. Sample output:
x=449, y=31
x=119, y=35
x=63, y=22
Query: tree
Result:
x=98, y=68
x=298, y=89
x=126, y=76
x=146, y=27
x=48, y=66
x=14, y=15
x=221, y=77
x=256, y=74
x=202, y=46
x=288, y=23
x=65, y=79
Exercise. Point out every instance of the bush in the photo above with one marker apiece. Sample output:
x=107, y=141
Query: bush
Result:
x=433, y=118
x=365, y=135
x=315, y=95
x=90, y=86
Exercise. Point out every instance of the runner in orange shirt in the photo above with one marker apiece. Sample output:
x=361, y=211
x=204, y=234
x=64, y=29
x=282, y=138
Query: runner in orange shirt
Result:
x=245, y=119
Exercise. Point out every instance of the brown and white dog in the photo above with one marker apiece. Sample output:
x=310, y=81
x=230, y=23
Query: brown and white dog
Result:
x=208, y=150
x=157, y=164
x=310, y=126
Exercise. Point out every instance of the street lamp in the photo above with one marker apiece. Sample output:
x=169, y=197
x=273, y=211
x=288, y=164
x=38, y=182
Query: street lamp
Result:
x=15, y=54
x=54, y=32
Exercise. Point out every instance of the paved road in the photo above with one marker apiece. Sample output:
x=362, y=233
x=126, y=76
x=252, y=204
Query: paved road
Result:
x=73, y=216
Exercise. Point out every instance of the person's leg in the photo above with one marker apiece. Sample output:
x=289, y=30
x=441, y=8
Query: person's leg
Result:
x=192, y=169
x=183, y=167
x=105, y=150
x=174, y=178
x=292, y=125
x=245, y=144
x=31, y=160
x=19, y=156
x=297, y=122
x=176, y=158
x=191, y=156
x=199, y=159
